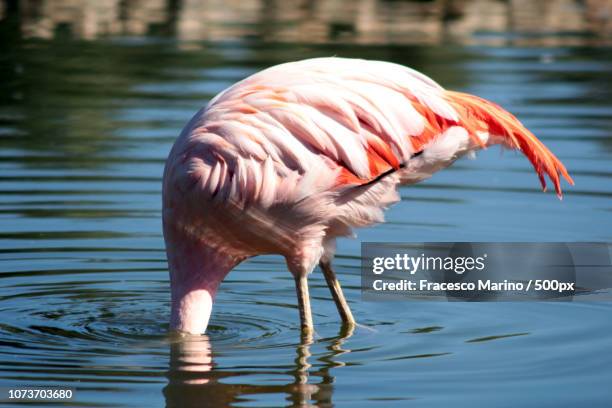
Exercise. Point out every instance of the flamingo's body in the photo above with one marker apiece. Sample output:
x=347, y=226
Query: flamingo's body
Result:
x=291, y=158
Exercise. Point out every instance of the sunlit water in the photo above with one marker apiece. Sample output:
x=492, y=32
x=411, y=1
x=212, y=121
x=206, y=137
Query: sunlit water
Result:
x=84, y=296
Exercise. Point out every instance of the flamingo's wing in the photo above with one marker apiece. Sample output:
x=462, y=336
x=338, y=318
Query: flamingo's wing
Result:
x=332, y=122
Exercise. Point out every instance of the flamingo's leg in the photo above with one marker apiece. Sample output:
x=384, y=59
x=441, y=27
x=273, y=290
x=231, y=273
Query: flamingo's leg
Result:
x=301, y=286
x=334, y=286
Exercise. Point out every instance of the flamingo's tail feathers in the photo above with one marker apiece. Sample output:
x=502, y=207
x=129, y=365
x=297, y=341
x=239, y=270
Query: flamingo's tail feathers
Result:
x=478, y=115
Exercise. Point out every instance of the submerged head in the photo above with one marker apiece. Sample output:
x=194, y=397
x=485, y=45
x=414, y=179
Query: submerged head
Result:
x=196, y=271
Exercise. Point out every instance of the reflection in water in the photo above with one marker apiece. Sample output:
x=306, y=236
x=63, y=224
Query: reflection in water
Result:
x=192, y=382
x=362, y=21
x=190, y=360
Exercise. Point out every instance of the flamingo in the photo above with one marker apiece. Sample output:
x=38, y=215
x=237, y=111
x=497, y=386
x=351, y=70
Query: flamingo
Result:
x=297, y=155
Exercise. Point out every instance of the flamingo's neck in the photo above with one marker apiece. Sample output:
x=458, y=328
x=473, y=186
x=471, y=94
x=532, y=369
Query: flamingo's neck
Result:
x=196, y=270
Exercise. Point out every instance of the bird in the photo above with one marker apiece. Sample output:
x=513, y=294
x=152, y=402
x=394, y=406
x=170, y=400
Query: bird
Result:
x=297, y=155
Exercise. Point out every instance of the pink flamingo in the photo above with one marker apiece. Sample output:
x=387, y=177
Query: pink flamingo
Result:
x=288, y=159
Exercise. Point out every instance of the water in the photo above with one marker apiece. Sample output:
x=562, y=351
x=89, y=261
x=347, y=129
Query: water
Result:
x=85, y=126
